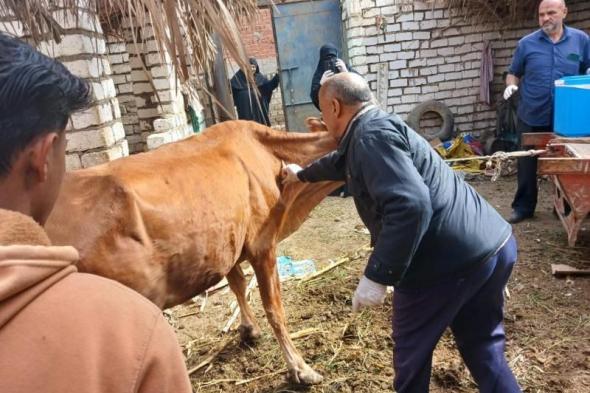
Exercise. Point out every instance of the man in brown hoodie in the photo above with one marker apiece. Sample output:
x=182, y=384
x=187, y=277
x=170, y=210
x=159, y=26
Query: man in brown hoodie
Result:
x=62, y=331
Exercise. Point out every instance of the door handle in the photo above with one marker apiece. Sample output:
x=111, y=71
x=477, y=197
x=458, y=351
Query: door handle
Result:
x=288, y=70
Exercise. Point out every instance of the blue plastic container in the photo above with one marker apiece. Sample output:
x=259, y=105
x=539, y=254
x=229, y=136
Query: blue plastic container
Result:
x=572, y=106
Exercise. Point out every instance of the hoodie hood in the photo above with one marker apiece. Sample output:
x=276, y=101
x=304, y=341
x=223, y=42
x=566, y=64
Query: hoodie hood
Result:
x=29, y=265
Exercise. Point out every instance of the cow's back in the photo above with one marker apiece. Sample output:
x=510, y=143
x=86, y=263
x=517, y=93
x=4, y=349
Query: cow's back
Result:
x=172, y=222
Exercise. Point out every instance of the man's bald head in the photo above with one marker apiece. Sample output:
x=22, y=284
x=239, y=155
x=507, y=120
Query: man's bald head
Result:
x=551, y=16
x=348, y=88
x=559, y=3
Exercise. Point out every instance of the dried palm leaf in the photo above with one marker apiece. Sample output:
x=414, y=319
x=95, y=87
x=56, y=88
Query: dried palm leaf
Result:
x=183, y=28
x=502, y=12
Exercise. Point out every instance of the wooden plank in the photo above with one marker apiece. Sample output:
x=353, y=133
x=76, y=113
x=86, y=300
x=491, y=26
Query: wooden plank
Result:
x=563, y=165
x=537, y=139
x=579, y=150
x=562, y=139
x=559, y=270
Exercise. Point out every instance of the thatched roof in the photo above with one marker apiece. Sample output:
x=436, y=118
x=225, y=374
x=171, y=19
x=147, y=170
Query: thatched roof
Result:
x=183, y=27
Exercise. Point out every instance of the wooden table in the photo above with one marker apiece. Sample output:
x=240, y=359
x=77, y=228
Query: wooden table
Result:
x=567, y=162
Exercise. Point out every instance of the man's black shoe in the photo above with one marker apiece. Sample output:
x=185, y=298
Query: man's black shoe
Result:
x=517, y=217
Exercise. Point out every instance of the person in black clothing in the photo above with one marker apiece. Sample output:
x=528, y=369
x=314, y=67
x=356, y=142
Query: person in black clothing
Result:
x=249, y=108
x=444, y=248
x=329, y=61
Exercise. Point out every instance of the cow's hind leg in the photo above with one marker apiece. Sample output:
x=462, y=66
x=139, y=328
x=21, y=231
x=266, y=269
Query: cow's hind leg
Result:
x=249, y=330
x=270, y=292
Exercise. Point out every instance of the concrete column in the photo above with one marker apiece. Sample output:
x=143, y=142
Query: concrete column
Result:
x=119, y=57
x=95, y=135
x=160, y=107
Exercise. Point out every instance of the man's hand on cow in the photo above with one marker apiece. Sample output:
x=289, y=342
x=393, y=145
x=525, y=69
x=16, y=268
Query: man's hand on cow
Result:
x=368, y=294
x=509, y=91
x=327, y=75
x=289, y=173
x=341, y=65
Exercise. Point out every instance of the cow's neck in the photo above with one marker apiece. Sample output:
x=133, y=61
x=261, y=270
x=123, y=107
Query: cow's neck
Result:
x=301, y=148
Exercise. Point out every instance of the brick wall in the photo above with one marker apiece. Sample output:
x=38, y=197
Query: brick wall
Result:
x=420, y=54
x=258, y=40
x=119, y=57
x=95, y=135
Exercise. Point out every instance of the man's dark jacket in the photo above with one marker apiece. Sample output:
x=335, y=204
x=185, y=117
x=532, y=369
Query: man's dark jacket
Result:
x=426, y=223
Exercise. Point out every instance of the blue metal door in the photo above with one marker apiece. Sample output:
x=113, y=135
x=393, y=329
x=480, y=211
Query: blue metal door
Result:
x=300, y=30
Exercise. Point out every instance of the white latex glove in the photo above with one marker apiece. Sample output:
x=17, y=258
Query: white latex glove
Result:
x=510, y=90
x=368, y=294
x=290, y=172
x=328, y=74
x=341, y=65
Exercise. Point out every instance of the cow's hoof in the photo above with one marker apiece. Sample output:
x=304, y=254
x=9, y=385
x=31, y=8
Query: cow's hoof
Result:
x=306, y=376
x=248, y=333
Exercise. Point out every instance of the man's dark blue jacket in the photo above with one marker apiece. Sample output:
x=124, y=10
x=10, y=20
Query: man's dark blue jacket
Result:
x=426, y=223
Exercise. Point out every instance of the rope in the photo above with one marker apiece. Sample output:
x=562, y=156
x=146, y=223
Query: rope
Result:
x=495, y=161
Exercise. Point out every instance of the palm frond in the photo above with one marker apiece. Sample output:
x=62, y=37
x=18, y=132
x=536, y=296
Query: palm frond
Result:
x=502, y=12
x=184, y=28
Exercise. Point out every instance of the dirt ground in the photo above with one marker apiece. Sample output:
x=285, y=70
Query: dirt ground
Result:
x=547, y=319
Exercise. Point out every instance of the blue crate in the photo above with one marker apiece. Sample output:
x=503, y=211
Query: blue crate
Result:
x=572, y=104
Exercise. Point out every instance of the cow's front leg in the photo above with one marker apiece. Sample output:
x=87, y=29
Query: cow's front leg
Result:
x=270, y=292
x=249, y=330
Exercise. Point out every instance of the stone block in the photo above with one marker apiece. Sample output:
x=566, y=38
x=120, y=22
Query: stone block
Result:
x=119, y=150
x=126, y=88
x=12, y=27
x=446, y=68
x=84, y=20
x=163, y=124
x=404, y=36
x=439, y=43
x=398, y=64
x=410, y=45
x=116, y=59
x=148, y=113
x=142, y=88
x=428, y=24
x=116, y=109
x=435, y=78
x=93, y=116
x=162, y=71
x=410, y=26
x=117, y=47
x=98, y=91
x=73, y=162
x=398, y=83
x=91, y=139
x=109, y=88
x=139, y=76
x=85, y=68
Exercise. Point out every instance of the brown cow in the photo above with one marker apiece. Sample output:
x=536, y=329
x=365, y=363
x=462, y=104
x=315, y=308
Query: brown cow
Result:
x=172, y=222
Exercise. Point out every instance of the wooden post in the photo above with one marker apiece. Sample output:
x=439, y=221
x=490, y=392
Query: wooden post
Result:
x=221, y=84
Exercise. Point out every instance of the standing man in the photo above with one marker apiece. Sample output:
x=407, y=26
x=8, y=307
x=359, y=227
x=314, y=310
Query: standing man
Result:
x=60, y=330
x=548, y=54
x=249, y=104
x=446, y=251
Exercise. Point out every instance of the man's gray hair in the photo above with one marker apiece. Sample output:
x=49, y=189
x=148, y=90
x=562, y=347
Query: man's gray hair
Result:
x=349, y=88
